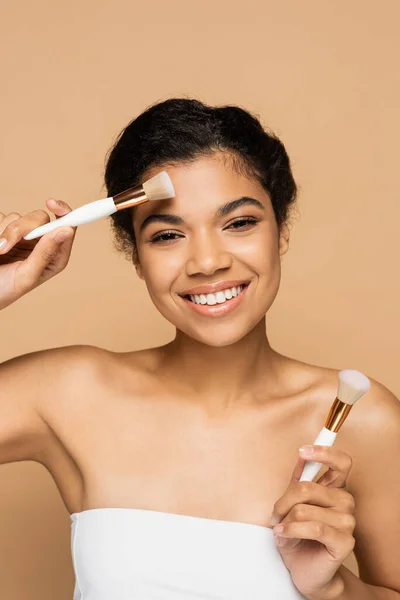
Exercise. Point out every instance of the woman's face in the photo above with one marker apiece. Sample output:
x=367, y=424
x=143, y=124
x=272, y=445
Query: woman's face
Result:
x=207, y=247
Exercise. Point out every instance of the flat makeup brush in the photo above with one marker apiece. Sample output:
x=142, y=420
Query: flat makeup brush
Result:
x=352, y=385
x=158, y=187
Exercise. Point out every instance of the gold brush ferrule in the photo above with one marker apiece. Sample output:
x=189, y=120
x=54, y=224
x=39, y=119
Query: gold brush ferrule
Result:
x=131, y=197
x=337, y=415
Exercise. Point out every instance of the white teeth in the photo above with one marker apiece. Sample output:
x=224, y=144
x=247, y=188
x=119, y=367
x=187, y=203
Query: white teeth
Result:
x=217, y=298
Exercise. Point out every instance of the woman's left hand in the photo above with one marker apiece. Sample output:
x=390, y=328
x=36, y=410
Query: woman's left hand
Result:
x=318, y=519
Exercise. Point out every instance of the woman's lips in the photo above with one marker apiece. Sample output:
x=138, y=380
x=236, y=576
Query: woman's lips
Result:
x=213, y=288
x=217, y=310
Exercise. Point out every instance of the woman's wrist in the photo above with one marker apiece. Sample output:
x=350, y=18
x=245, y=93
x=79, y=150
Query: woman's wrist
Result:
x=333, y=591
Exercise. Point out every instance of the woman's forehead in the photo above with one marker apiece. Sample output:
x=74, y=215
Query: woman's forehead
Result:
x=207, y=180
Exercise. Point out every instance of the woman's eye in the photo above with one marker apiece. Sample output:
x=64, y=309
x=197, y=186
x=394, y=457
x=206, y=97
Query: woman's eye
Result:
x=164, y=236
x=169, y=236
x=247, y=221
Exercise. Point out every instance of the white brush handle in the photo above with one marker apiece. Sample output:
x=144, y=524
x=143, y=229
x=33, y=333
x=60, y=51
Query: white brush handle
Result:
x=325, y=438
x=84, y=214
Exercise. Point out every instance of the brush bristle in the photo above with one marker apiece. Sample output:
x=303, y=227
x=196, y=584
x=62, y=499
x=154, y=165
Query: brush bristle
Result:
x=352, y=385
x=159, y=187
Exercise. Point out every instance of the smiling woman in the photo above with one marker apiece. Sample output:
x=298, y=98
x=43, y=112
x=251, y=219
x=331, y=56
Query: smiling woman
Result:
x=196, y=441
x=234, y=191
x=225, y=230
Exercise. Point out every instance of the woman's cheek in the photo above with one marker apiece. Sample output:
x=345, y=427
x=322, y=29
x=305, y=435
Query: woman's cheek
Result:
x=157, y=265
x=261, y=258
x=161, y=276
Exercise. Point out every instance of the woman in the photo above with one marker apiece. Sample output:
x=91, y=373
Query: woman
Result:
x=176, y=463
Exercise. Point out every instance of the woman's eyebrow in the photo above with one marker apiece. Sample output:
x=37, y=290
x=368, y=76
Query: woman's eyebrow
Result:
x=161, y=218
x=223, y=210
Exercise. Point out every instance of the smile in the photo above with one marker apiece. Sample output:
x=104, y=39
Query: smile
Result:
x=218, y=297
x=218, y=304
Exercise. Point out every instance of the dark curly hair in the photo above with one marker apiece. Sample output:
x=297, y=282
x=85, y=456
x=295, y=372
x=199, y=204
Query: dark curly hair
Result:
x=180, y=130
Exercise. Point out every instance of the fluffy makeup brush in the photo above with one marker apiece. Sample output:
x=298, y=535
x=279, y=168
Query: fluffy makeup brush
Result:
x=352, y=385
x=158, y=187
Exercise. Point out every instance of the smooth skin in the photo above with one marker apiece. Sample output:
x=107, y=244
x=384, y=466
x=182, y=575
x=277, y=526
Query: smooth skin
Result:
x=217, y=403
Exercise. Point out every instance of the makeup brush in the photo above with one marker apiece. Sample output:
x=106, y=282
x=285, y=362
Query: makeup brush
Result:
x=158, y=187
x=352, y=385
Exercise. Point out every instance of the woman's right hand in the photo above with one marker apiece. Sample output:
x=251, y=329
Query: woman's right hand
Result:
x=24, y=265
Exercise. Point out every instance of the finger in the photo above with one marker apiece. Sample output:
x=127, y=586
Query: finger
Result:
x=58, y=207
x=309, y=492
x=298, y=470
x=342, y=521
x=338, y=544
x=49, y=257
x=17, y=226
x=7, y=219
x=339, y=463
x=332, y=479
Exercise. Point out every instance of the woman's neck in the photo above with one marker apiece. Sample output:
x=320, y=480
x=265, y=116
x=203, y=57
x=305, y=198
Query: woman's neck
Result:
x=224, y=378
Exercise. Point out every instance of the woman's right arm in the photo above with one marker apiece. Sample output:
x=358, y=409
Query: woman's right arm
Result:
x=24, y=265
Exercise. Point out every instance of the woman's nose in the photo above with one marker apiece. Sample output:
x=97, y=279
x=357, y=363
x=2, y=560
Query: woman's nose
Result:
x=207, y=256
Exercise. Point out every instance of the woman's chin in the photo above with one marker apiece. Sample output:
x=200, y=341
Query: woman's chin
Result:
x=216, y=337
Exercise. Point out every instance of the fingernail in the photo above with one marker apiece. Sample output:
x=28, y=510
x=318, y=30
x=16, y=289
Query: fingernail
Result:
x=3, y=243
x=279, y=529
x=306, y=450
x=274, y=520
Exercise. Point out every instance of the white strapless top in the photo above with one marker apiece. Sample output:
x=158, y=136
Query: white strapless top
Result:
x=135, y=554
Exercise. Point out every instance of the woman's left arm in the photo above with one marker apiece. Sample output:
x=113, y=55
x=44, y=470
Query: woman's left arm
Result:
x=375, y=485
x=355, y=505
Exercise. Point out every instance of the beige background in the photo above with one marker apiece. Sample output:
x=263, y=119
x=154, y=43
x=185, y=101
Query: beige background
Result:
x=323, y=75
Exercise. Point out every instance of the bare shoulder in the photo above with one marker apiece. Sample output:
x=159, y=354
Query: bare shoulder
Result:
x=380, y=407
x=46, y=360
x=373, y=435
x=86, y=374
x=50, y=374
x=34, y=377
x=86, y=362
x=377, y=410
x=66, y=367
x=36, y=372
